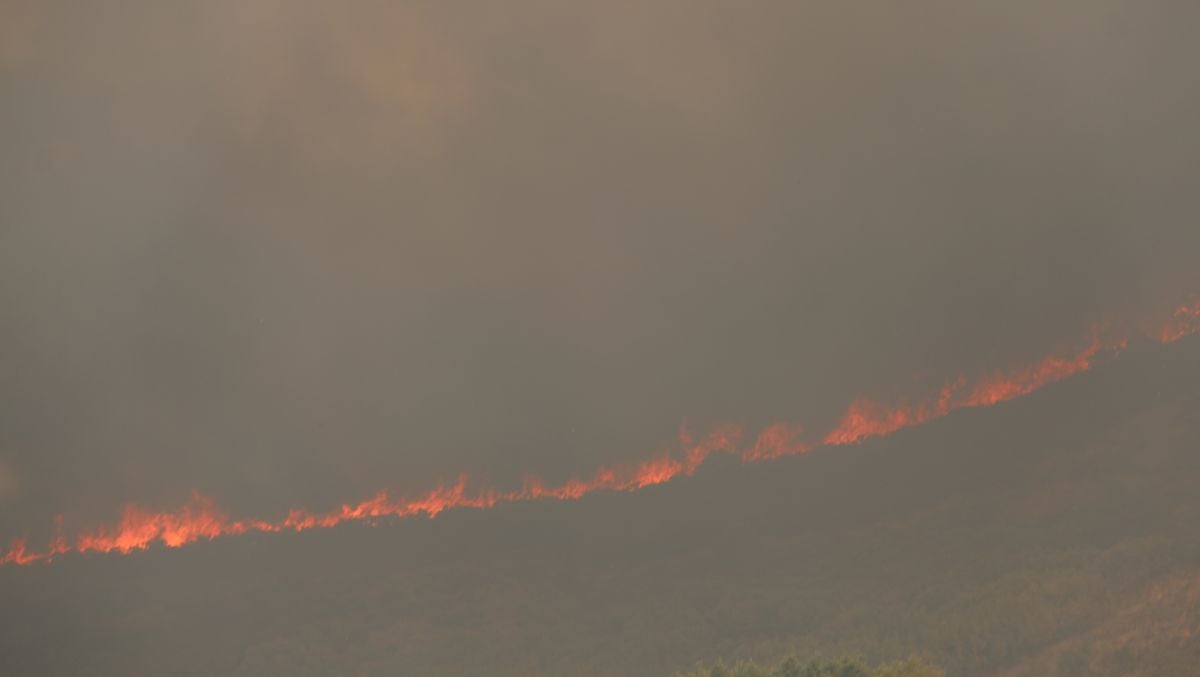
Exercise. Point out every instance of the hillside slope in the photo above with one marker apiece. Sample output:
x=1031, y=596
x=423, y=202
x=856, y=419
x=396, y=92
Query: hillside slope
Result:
x=1051, y=535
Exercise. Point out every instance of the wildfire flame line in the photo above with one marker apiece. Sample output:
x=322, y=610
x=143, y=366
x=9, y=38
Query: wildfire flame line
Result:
x=200, y=518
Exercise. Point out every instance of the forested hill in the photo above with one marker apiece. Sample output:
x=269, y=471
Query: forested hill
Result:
x=1055, y=534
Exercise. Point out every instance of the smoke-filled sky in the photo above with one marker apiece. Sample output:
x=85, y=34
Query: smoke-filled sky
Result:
x=291, y=253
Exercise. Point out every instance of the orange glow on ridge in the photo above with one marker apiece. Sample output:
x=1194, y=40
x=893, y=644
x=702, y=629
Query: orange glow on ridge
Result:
x=867, y=418
x=201, y=519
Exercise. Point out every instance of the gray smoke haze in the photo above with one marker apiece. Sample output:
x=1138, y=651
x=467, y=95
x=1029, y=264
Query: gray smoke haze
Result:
x=291, y=253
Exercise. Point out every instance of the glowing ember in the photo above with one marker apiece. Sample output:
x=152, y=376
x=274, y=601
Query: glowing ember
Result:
x=1185, y=321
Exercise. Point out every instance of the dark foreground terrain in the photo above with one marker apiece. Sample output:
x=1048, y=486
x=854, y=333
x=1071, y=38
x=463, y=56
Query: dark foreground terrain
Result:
x=1056, y=534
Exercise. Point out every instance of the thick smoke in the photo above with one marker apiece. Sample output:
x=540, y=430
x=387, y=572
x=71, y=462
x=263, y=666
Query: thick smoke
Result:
x=292, y=254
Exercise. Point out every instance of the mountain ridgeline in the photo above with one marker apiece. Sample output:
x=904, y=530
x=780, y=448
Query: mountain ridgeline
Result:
x=1051, y=535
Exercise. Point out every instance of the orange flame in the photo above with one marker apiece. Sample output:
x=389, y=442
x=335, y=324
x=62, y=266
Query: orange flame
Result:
x=18, y=554
x=201, y=519
x=776, y=440
x=867, y=418
x=1185, y=321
